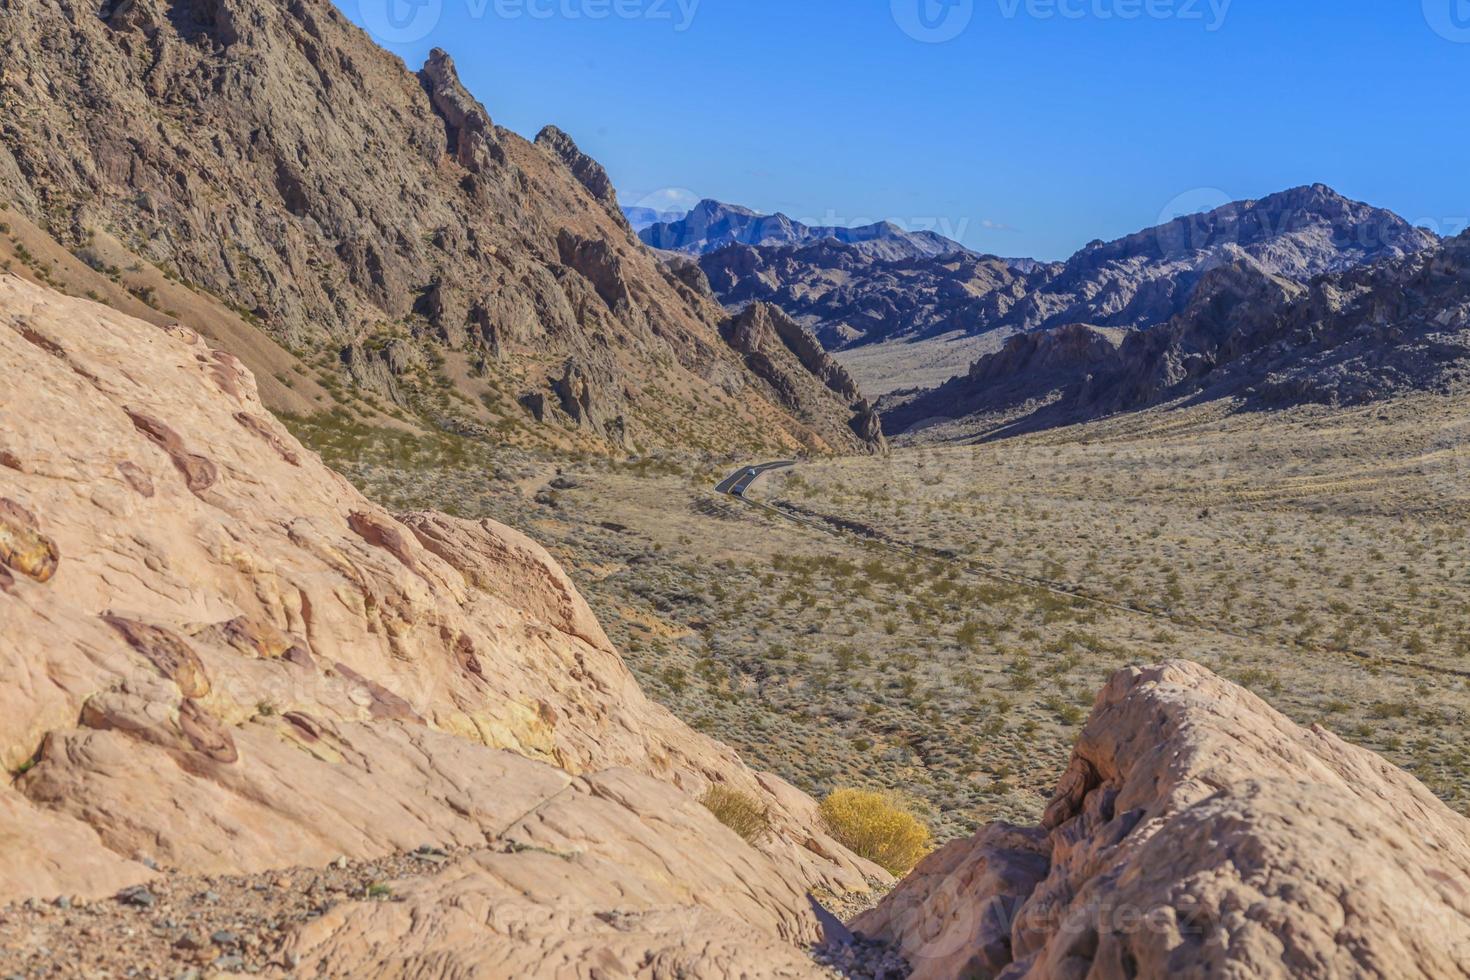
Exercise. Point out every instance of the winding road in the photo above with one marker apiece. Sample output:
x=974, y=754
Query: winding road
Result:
x=738, y=482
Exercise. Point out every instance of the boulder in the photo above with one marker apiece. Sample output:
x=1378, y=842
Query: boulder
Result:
x=1199, y=833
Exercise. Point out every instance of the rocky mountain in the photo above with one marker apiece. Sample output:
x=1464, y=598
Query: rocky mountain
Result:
x=1150, y=275
x=1226, y=841
x=849, y=297
x=221, y=659
x=920, y=305
x=354, y=225
x=1247, y=333
x=711, y=225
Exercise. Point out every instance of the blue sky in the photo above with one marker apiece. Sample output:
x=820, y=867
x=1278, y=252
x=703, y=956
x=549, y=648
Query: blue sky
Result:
x=1041, y=124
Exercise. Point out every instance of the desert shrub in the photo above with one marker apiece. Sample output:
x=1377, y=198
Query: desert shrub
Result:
x=878, y=826
x=739, y=811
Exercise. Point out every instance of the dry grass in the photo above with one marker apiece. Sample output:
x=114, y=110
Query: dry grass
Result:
x=739, y=811
x=878, y=826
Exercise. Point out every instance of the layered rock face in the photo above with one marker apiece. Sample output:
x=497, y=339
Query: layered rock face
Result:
x=373, y=220
x=220, y=658
x=1199, y=833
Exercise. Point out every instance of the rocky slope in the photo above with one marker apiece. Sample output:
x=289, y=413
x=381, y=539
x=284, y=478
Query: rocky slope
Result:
x=1199, y=833
x=711, y=225
x=1247, y=333
x=221, y=659
x=370, y=221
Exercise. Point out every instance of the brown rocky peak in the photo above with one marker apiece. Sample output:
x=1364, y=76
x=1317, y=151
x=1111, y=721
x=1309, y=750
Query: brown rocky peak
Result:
x=588, y=172
x=467, y=125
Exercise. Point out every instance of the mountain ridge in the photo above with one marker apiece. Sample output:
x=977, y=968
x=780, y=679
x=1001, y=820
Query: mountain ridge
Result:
x=711, y=225
x=373, y=221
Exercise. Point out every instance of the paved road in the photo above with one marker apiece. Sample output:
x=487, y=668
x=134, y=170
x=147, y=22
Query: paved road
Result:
x=738, y=482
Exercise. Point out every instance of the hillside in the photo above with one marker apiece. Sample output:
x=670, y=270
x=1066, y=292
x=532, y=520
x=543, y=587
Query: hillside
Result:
x=362, y=228
x=408, y=746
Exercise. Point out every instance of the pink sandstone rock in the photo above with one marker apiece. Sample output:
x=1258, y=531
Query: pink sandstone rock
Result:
x=220, y=657
x=1199, y=833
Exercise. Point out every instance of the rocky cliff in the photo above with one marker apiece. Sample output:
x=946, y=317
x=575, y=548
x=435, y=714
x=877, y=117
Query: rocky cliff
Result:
x=1198, y=833
x=371, y=221
x=220, y=658
x=793, y=364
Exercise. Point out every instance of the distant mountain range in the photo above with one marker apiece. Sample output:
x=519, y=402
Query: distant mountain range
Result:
x=1352, y=334
x=851, y=298
x=640, y=218
x=712, y=225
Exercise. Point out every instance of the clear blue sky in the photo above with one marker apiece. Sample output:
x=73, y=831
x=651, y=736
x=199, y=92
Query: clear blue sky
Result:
x=1029, y=133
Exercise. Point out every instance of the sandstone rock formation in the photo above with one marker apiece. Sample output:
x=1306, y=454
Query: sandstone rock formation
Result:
x=1199, y=833
x=220, y=658
x=268, y=159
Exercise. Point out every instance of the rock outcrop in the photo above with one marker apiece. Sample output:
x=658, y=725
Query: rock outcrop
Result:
x=269, y=159
x=1199, y=833
x=800, y=374
x=220, y=658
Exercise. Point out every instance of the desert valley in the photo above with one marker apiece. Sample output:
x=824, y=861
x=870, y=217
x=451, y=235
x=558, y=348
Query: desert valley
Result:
x=415, y=563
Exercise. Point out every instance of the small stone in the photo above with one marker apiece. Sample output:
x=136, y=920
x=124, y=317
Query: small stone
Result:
x=63, y=902
x=211, y=898
x=231, y=962
x=189, y=941
x=224, y=938
x=138, y=896
x=340, y=863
